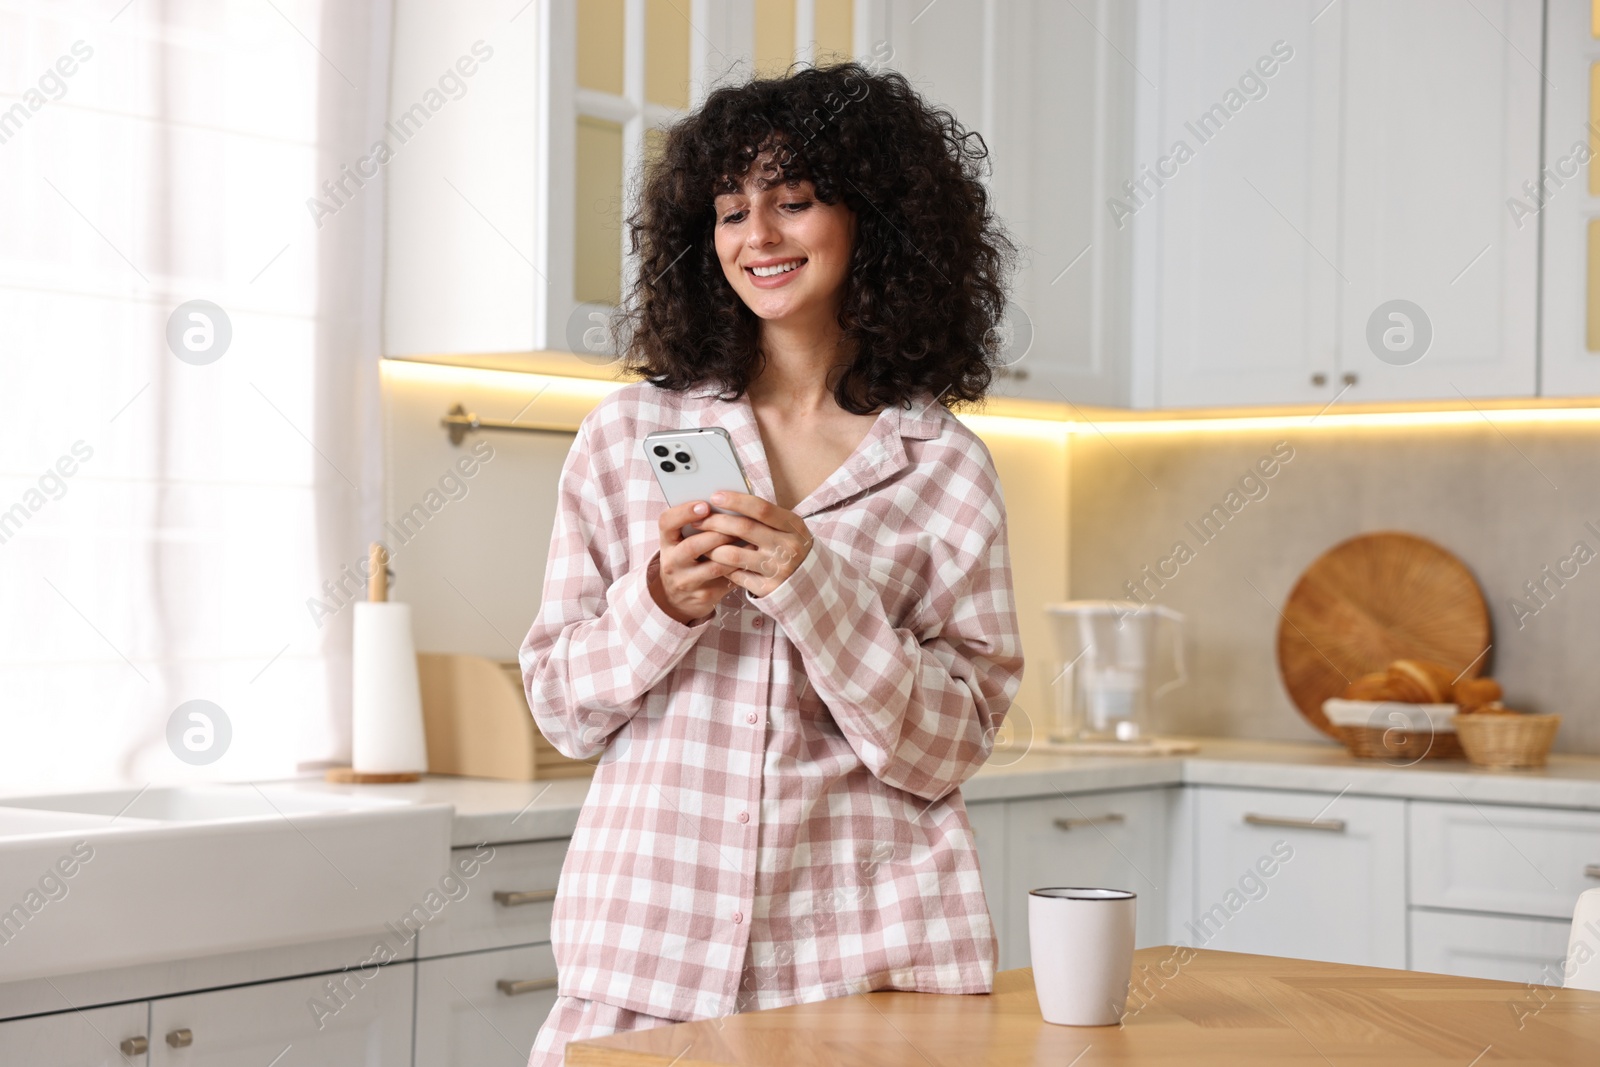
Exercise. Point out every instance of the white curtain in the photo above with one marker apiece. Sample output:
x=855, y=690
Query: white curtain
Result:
x=166, y=512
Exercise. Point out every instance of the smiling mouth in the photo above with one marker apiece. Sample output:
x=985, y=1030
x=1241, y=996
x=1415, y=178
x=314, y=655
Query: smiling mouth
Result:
x=777, y=269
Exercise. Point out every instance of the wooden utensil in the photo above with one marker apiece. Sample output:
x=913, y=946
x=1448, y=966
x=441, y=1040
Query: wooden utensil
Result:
x=1369, y=601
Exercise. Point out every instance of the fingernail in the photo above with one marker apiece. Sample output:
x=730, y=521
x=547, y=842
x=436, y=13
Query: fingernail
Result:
x=699, y=509
x=719, y=497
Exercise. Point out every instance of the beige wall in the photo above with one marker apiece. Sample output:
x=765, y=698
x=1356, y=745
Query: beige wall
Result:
x=1507, y=501
x=474, y=571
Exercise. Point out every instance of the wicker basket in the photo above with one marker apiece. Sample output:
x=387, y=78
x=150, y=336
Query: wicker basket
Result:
x=1508, y=740
x=1387, y=743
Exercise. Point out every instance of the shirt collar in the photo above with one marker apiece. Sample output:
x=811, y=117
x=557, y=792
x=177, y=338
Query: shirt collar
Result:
x=922, y=417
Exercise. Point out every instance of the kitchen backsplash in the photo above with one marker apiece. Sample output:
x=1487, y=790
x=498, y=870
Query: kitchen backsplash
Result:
x=1145, y=513
x=1519, y=504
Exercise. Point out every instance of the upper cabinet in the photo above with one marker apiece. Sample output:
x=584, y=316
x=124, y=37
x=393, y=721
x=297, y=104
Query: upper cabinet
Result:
x=1563, y=201
x=1441, y=126
x=1217, y=202
x=1340, y=227
x=1231, y=205
x=1050, y=92
x=507, y=230
x=1250, y=201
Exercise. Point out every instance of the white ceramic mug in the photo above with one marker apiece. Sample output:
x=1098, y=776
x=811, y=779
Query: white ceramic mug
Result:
x=1082, y=945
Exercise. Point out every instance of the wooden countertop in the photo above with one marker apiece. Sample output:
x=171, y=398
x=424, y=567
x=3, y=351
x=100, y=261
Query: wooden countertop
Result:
x=1217, y=1008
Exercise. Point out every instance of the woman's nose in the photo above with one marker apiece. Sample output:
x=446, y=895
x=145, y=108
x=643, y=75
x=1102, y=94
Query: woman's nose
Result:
x=763, y=230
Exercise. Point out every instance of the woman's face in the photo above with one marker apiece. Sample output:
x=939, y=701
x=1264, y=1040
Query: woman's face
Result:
x=785, y=252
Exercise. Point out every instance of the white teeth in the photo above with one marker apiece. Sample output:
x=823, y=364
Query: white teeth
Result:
x=781, y=268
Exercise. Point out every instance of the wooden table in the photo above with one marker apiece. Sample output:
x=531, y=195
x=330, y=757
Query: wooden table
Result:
x=1217, y=1008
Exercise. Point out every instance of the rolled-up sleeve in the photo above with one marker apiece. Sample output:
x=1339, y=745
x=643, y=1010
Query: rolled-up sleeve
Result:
x=920, y=707
x=600, y=642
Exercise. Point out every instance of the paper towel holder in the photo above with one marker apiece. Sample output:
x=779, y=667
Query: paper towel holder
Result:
x=378, y=575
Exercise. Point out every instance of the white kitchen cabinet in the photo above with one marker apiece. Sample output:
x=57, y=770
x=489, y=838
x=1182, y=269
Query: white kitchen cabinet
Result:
x=1306, y=875
x=92, y=1038
x=1562, y=203
x=1499, y=858
x=506, y=235
x=1488, y=946
x=507, y=902
x=1234, y=204
x=1114, y=840
x=988, y=821
x=355, y=1018
x=462, y=237
x=1045, y=86
x=1371, y=166
x=483, y=1009
x=1440, y=125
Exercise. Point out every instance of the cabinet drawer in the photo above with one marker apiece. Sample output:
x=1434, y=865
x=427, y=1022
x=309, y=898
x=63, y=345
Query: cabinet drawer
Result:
x=76, y=1038
x=1517, y=861
x=360, y=1017
x=1309, y=875
x=484, y=1007
x=1489, y=946
x=508, y=901
x=1105, y=840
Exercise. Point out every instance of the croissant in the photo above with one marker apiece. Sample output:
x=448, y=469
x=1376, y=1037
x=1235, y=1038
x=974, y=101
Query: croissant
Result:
x=1418, y=681
x=1371, y=687
x=1474, y=693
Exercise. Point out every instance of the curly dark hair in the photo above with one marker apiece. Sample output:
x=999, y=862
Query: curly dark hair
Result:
x=926, y=289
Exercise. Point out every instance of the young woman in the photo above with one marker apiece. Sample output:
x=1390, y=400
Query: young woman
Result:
x=786, y=703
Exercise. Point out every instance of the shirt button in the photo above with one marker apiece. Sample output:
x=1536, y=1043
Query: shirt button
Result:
x=750, y=717
x=738, y=916
x=744, y=816
x=756, y=622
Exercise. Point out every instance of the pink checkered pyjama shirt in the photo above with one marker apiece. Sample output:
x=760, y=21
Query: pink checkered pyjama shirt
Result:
x=778, y=789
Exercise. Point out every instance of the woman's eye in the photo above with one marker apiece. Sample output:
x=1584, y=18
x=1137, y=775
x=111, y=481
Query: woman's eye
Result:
x=732, y=217
x=797, y=205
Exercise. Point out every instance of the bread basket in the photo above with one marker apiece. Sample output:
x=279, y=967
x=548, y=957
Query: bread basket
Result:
x=1507, y=740
x=1393, y=731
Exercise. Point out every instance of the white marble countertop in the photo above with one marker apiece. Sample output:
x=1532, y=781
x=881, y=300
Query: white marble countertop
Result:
x=495, y=811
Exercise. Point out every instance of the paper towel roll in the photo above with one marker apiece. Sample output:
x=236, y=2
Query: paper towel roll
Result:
x=386, y=735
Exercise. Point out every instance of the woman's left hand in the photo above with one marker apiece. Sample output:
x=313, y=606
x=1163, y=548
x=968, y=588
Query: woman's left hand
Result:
x=778, y=540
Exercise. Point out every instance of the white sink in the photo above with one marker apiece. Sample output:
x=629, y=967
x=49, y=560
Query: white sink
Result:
x=22, y=821
x=198, y=803
x=96, y=880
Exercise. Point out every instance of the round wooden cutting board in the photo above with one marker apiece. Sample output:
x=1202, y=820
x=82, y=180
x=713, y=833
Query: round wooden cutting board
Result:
x=1369, y=601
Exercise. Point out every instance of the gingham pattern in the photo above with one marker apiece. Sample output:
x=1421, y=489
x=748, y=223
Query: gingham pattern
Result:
x=572, y=1019
x=779, y=783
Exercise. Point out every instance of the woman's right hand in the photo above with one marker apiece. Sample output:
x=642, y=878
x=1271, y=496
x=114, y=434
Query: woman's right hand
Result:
x=686, y=588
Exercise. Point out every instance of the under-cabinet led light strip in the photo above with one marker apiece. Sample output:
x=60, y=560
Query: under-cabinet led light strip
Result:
x=588, y=390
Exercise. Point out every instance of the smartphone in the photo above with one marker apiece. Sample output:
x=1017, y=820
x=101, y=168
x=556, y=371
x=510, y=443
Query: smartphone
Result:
x=693, y=464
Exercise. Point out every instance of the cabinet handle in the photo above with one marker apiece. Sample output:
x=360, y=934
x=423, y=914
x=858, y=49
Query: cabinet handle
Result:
x=180, y=1038
x=1093, y=820
x=527, y=985
x=1592, y=871
x=508, y=899
x=134, y=1046
x=1333, y=826
x=1319, y=379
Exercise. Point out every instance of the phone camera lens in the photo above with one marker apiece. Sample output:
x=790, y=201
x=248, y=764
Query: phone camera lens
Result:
x=682, y=457
x=668, y=466
x=661, y=450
